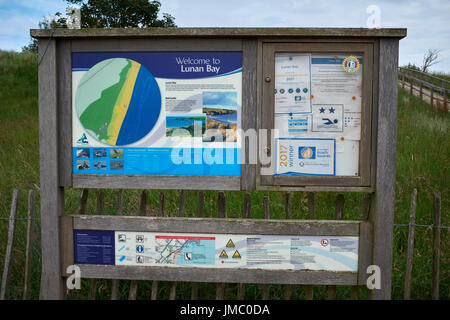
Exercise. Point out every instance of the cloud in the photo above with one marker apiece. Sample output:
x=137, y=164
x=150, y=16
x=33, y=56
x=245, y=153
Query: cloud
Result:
x=426, y=20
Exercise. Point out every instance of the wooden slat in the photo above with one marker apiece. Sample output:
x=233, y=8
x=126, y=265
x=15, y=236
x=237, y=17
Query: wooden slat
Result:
x=154, y=292
x=67, y=250
x=222, y=213
x=64, y=69
x=182, y=202
x=218, y=225
x=436, y=245
x=249, y=110
x=155, y=283
x=183, y=33
x=192, y=274
x=173, y=287
x=266, y=209
x=247, y=206
x=83, y=201
x=99, y=209
x=156, y=182
x=143, y=203
x=194, y=290
x=133, y=290
x=119, y=212
x=200, y=204
x=410, y=250
x=162, y=198
x=100, y=201
x=51, y=193
x=338, y=215
x=309, y=290
x=119, y=202
x=288, y=209
x=246, y=214
x=9, y=246
x=29, y=246
x=142, y=211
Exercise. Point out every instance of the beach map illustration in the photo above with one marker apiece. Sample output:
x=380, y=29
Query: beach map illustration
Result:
x=118, y=101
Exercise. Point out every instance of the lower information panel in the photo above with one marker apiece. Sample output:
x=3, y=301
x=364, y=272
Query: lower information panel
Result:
x=271, y=252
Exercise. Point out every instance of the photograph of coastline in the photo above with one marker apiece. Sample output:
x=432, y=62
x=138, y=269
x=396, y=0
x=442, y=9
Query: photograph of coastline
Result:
x=221, y=115
x=175, y=122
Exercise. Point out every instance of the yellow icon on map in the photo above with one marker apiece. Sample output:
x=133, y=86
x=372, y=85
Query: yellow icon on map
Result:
x=230, y=244
x=236, y=255
x=223, y=255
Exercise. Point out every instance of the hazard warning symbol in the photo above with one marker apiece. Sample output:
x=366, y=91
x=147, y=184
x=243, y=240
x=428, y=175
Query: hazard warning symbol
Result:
x=223, y=255
x=230, y=244
x=236, y=255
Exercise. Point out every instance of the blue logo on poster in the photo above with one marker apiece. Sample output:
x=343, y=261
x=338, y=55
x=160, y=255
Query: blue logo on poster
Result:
x=307, y=152
x=139, y=249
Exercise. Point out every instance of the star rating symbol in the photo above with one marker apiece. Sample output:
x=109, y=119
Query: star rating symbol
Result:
x=332, y=110
x=322, y=110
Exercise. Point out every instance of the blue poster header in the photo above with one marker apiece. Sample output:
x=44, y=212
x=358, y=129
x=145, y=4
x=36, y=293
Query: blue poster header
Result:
x=170, y=65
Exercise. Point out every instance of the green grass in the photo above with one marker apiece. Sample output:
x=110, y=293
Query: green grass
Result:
x=423, y=152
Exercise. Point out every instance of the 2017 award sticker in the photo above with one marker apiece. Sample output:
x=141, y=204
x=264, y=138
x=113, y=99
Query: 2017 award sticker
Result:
x=350, y=64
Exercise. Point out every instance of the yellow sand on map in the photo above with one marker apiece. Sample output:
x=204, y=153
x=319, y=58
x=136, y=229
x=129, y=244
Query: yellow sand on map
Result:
x=122, y=104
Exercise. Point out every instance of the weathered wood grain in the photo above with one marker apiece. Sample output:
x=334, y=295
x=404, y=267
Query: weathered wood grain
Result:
x=189, y=274
x=29, y=246
x=9, y=246
x=221, y=32
x=218, y=225
x=383, y=217
x=51, y=194
x=410, y=249
x=436, y=245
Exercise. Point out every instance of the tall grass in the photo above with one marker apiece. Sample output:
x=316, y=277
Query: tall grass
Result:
x=423, y=151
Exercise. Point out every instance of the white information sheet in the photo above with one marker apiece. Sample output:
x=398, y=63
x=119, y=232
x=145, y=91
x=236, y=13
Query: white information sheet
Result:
x=292, y=83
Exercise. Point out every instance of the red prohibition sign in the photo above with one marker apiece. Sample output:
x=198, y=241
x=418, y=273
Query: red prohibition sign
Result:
x=324, y=242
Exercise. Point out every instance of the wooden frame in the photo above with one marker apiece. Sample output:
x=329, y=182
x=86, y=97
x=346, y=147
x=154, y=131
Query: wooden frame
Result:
x=267, y=112
x=55, y=47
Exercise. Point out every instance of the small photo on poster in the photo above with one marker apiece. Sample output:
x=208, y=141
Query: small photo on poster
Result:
x=221, y=115
x=179, y=125
x=83, y=164
x=116, y=153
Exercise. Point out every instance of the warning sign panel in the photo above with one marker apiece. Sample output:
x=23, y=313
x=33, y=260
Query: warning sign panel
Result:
x=274, y=252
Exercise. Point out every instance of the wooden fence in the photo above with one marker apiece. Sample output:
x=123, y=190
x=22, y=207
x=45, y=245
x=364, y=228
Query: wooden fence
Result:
x=222, y=213
x=430, y=88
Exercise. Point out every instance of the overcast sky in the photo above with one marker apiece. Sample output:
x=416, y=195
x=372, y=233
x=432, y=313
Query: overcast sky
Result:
x=427, y=21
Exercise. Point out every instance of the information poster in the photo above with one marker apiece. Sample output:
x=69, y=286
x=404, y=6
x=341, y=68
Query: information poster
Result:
x=328, y=111
x=168, y=113
x=274, y=252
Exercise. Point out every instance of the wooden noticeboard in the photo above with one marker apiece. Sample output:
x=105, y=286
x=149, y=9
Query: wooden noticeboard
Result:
x=310, y=109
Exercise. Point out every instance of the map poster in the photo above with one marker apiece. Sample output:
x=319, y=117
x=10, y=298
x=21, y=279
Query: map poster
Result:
x=301, y=156
x=273, y=252
x=156, y=113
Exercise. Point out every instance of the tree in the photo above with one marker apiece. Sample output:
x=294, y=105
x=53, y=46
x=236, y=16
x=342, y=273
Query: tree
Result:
x=430, y=58
x=110, y=14
x=122, y=14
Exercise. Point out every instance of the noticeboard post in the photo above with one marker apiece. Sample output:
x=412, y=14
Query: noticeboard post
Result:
x=218, y=109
